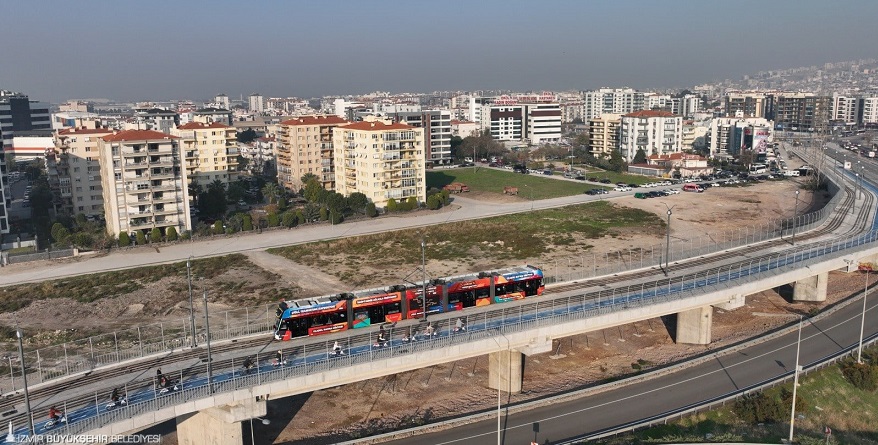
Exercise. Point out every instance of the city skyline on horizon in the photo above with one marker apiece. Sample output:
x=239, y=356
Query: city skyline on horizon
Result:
x=149, y=54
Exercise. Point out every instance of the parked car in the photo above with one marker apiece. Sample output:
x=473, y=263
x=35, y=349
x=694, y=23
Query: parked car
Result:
x=606, y=181
x=547, y=172
x=580, y=178
x=633, y=185
x=622, y=188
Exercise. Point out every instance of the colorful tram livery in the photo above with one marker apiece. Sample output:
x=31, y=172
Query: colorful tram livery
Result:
x=359, y=309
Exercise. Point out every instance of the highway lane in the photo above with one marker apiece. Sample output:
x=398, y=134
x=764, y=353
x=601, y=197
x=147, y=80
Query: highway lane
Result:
x=726, y=373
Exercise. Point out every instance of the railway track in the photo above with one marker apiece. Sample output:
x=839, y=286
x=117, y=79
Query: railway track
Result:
x=195, y=359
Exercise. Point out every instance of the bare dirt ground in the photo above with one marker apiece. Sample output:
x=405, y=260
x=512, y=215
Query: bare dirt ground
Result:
x=456, y=388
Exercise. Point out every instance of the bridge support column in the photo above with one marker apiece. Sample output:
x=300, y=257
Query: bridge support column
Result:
x=735, y=301
x=504, y=371
x=693, y=326
x=812, y=288
x=217, y=426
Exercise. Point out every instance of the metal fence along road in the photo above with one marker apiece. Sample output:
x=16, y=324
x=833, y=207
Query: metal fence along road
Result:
x=315, y=355
x=85, y=355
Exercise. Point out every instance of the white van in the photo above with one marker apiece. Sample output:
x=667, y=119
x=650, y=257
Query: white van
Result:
x=790, y=173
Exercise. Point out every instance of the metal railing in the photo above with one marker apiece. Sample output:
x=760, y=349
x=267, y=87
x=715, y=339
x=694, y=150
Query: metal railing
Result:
x=317, y=355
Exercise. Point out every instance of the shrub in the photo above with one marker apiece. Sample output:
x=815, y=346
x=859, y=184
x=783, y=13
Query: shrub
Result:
x=82, y=239
x=247, y=223
x=786, y=398
x=300, y=216
x=273, y=220
x=218, y=228
x=371, y=210
x=290, y=220
x=155, y=235
x=171, y=234
x=446, y=197
x=124, y=240
x=391, y=205
x=59, y=233
x=335, y=217
x=759, y=408
x=412, y=201
x=141, y=238
x=324, y=214
x=862, y=375
x=434, y=202
x=187, y=235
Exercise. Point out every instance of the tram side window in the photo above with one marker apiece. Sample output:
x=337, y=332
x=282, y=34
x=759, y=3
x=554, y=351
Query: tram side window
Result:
x=392, y=308
x=338, y=317
x=415, y=303
x=484, y=292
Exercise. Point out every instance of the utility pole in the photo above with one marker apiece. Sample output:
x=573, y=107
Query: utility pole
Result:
x=30, y=417
x=191, y=305
x=795, y=214
x=668, y=239
x=209, y=358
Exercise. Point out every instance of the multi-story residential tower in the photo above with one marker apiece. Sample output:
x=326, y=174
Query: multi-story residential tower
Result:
x=256, y=103
x=870, y=110
x=222, y=101
x=210, y=152
x=436, y=124
x=727, y=136
x=381, y=159
x=801, y=111
x=613, y=100
x=144, y=182
x=78, y=163
x=747, y=104
x=846, y=110
x=305, y=145
x=155, y=119
x=604, y=133
x=654, y=132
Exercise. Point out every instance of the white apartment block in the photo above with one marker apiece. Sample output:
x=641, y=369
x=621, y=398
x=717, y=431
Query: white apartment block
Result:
x=144, y=182
x=728, y=135
x=210, y=152
x=305, y=145
x=746, y=104
x=381, y=159
x=79, y=169
x=613, y=100
x=870, y=111
x=604, y=133
x=845, y=109
x=222, y=101
x=689, y=105
x=256, y=103
x=463, y=129
x=542, y=123
x=654, y=132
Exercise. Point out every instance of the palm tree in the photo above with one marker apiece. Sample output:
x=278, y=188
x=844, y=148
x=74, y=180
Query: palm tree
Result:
x=271, y=192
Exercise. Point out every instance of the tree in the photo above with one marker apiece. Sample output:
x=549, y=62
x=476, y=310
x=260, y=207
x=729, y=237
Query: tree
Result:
x=218, y=228
x=171, y=234
x=335, y=217
x=141, y=238
x=456, y=152
x=271, y=192
x=336, y=202
x=616, y=164
x=289, y=219
x=308, y=177
x=746, y=158
x=236, y=191
x=391, y=205
x=60, y=233
x=155, y=235
x=212, y=203
x=357, y=202
x=310, y=212
x=273, y=220
x=124, y=240
x=433, y=202
x=247, y=136
x=639, y=157
x=314, y=192
x=324, y=214
x=371, y=210
x=247, y=223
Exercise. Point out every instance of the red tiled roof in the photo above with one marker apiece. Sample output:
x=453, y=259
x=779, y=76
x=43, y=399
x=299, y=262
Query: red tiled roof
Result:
x=201, y=125
x=315, y=120
x=651, y=113
x=376, y=126
x=84, y=130
x=137, y=135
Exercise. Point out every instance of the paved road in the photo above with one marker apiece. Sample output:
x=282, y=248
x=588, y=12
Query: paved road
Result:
x=468, y=209
x=567, y=420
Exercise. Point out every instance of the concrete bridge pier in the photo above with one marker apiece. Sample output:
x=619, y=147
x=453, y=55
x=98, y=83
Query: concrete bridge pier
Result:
x=506, y=368
x=218, y=425
x=812, y=288
x=735, y=301
x=694, y=325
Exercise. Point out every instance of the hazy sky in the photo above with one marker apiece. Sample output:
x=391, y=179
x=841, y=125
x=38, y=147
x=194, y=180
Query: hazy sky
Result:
x=135, y=50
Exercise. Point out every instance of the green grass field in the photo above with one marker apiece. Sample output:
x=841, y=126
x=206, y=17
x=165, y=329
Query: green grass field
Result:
x=492, y=180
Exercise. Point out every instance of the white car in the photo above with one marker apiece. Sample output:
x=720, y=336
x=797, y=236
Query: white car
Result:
x=672, y=191
x=622, y=188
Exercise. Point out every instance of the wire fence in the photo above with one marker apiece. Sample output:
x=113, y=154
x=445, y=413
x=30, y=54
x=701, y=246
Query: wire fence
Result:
x=85, y=355
x=317, y=355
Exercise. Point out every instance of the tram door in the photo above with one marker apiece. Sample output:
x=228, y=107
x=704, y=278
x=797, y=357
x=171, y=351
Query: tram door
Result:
x=298, y=327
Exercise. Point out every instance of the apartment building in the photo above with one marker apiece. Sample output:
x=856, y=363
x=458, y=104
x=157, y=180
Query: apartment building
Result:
x=846, y=110
x=801, y=111
x=613, y=100
x=156, y=119
x=381, y=159
x=727, y=136
x=305, y=145
x=747, y=104
x=870, y=111
x=144, y=182
x=256, y=103
x=604, y=133
x=653, y=131
x=436, y=124
x=537, y=123
x=78, y=164
x=210, y=152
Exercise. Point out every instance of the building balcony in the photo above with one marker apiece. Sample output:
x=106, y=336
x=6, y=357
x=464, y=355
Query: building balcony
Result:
x=140, y=223
x=162, y=174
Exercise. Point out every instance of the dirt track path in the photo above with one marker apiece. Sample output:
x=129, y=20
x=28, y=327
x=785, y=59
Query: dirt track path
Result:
x=312, y=282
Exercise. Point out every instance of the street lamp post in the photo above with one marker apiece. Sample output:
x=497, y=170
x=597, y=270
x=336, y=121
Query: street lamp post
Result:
x=668, y=239
x=795, y=381
x=424, y=277
x=191, y=304
x=795, y=213
x=863, y=318
x=209, y=358
x=30, y=417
